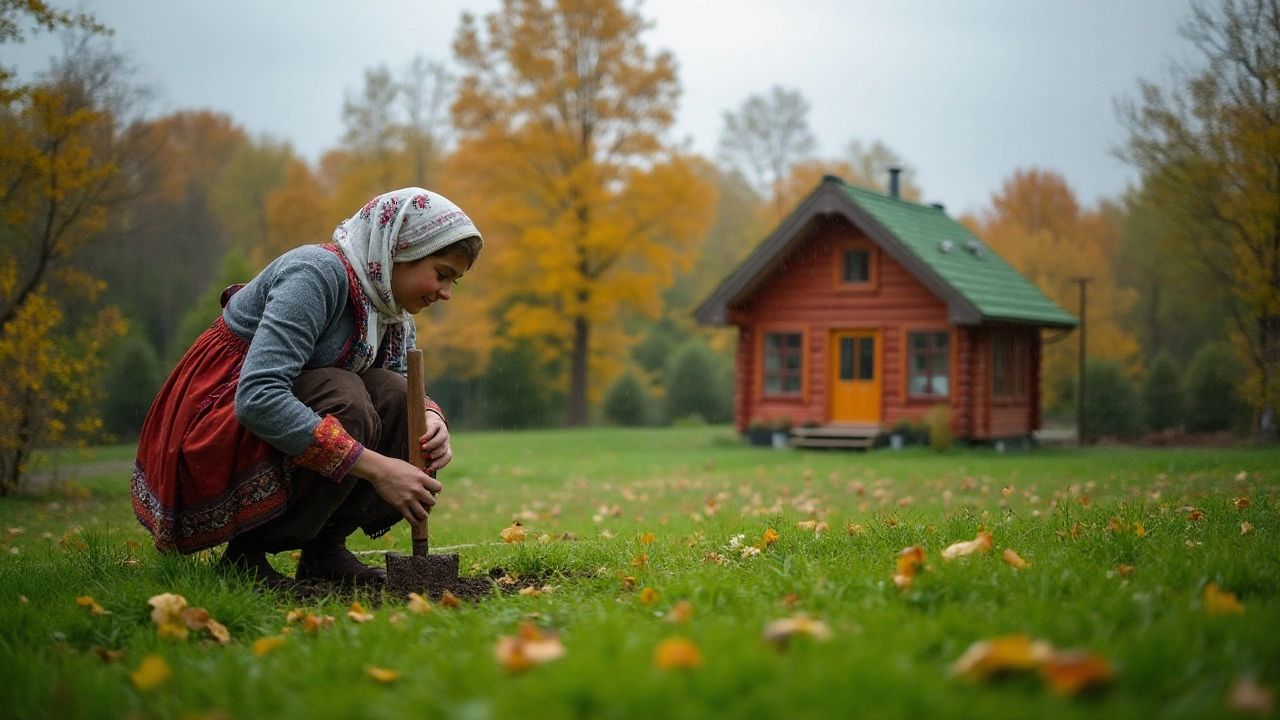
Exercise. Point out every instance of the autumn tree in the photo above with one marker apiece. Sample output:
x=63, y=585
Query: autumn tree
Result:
x=1208, y=148
x=587, y=210
x=766, y=137
x=1037, y=225
x=63, y=144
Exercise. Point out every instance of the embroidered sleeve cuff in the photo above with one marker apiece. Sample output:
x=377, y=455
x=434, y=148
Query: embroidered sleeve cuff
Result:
x=433, y=407
x=333, y=451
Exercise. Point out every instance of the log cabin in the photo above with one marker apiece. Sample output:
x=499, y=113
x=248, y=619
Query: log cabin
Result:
x=864, y=309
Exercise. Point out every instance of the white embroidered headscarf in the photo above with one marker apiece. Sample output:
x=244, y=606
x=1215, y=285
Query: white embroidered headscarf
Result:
x=401, y=225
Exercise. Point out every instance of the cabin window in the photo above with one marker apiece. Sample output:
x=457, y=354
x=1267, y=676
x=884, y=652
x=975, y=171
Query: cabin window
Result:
x=930, y=363
x=1009, y=366
x=857, y=266
x=783, y=361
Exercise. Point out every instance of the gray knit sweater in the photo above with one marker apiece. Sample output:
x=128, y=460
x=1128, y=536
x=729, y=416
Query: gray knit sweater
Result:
x=296, y=316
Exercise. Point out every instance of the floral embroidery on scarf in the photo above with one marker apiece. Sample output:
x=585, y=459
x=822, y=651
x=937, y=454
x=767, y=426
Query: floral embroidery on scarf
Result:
x=389, y=209
x=420, y=202
x=367, y=210
x=375, y=271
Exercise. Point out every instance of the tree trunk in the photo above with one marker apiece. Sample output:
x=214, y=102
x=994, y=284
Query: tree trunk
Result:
x=1269, y=350
x=576, y=410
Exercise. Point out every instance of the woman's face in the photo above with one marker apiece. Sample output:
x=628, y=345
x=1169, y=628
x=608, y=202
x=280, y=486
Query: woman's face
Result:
x=417, y=284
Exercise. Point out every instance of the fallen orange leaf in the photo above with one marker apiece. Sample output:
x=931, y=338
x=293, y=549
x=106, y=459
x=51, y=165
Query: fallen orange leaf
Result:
x=640, y=561
x=356, y=612
x=981, y=543
x=195, y=618
x=530, y=591
x=448, y=600
x=418, y=604
x=646, y=539
x=294, y=615
x=1220, y=602
x=648, y=596
x=676, y=654
x=1068, y=672
x=264, y=645
x=909, y=562
x=807, y=525
x=150, y=673
x=681, y=612
x=1240, y=503
x=1194, y=515
x=313, y=623
x=770, y=538
x=514, y=534
x=85, y=601
x=853, y=528
x=779, y=632
x=1125, y=570
x=1011, y=557
x=527, y=648
x=382, y=675
x=1246, y=695
x=628, y=583
x=986, y=658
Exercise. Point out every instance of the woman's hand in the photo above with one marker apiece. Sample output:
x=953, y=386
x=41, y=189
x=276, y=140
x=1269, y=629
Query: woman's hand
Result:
x=407, y=488
x=435, y=443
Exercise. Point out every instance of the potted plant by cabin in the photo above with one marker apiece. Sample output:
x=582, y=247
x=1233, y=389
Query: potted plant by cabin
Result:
x=781, y=435
x=759, y=433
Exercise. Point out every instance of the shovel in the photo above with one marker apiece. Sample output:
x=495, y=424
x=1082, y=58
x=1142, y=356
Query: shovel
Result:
x=420, y=572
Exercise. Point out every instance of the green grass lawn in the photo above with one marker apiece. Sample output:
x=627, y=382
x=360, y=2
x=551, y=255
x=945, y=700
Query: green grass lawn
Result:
x=589, y=501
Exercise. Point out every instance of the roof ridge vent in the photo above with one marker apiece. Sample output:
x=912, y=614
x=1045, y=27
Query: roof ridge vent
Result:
x=975, y=246
x=946, y=246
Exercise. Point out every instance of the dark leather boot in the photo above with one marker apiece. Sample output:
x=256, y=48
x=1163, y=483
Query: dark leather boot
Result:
x=327, y=558
x=244, y=555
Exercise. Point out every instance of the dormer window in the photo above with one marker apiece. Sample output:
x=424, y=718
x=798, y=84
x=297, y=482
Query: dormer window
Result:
x=855, y=265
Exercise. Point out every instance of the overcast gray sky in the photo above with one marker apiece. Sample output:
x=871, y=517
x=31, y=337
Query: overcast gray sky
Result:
x=967, y=91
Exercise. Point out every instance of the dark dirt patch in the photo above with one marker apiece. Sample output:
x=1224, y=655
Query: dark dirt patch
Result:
x=468, y=588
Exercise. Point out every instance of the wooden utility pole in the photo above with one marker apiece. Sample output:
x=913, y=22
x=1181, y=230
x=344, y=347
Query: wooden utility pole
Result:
x=1080, y=383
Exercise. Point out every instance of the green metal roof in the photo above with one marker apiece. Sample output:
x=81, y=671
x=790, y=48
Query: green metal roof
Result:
x=985, y=279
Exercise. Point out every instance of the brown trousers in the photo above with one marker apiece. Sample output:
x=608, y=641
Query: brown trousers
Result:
x=371, y=408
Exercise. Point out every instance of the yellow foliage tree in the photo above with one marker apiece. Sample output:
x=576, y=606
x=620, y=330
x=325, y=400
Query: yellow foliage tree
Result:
x=586, y=211
x=1208, y=148
x=1036, y=224
x=59, y=176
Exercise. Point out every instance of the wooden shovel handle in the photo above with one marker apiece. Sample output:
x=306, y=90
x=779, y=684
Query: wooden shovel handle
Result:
x=415, y=405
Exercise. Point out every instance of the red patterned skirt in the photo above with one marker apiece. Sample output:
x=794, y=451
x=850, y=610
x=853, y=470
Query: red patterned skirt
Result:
x=201, y=477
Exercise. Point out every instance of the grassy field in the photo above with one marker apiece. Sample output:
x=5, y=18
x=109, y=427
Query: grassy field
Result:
x=645, y=536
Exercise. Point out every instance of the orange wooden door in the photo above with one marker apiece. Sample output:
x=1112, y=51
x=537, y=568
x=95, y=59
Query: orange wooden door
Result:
x=855, y=376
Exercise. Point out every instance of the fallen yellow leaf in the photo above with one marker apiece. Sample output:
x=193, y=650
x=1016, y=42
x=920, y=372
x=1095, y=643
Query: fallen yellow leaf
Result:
x=514, y=534
x=779, y=632
x=167, y=608
x=218, y=631
x=294, y=615
x=986, y=658
x=1011, y=557
x=770, y=538
x=1070, y=671
x=1246, y=527
x=448, y=600
x=418, y=604
x=640, y=561
x=85, y=601
x=648, y=596
x=527, y=648
x=853, y=528
x=150, y=673
x=806, y=525
x=382, y=675
x=533, y=591
x=356, y=612
x=646, y=539
x=1220, y=602
x=981, y=543
x=173, y=631
x=264, y=645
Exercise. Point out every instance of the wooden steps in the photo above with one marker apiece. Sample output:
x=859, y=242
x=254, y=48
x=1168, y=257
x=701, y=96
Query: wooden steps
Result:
x=836, y=435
